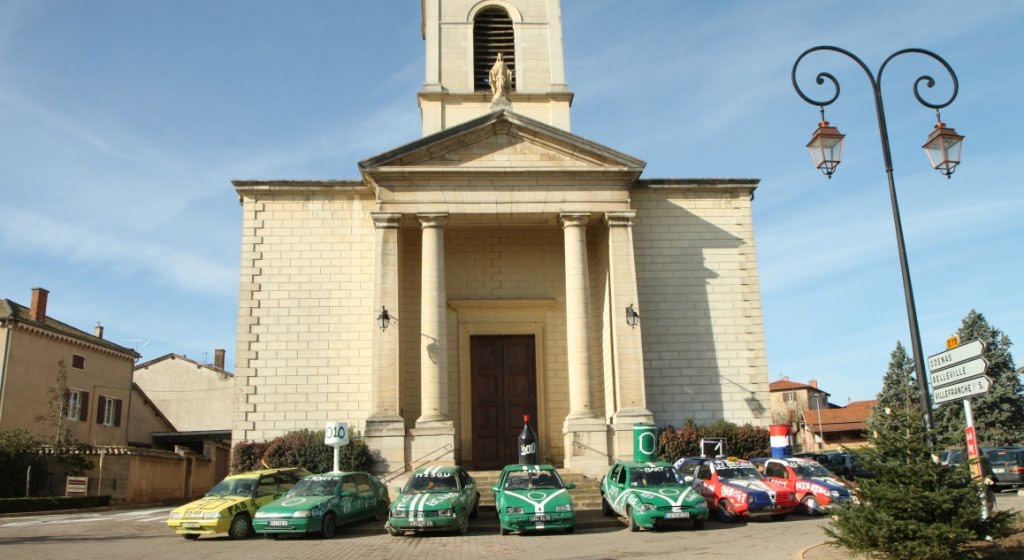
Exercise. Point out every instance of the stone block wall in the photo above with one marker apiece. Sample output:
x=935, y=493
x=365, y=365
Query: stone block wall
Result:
x=703, y=332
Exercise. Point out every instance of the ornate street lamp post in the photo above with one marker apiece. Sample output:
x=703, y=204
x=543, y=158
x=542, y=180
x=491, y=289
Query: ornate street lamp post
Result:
x=943, y=147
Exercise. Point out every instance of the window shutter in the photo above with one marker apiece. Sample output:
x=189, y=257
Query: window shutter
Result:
x=99, y=409
x=83, y=413
x=117, y=412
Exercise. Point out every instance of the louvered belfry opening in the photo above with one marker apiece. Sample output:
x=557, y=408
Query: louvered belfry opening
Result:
x=492, y=33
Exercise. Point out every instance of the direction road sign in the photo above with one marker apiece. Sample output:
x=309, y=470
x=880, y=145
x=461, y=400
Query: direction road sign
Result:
x=962, y=390
x=959, y=372
x=949, y=358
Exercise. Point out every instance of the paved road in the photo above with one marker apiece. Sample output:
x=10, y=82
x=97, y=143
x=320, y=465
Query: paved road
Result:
x=142, y=534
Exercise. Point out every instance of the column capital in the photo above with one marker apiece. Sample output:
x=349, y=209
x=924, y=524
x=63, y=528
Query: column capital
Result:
x=620, y=219
x=574, y=219
x=388, y=220
x=433, y=220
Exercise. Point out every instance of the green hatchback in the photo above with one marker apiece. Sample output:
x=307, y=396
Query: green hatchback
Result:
x=533, y=498
x=435, y=499
x=320, y=503
x=649, y=495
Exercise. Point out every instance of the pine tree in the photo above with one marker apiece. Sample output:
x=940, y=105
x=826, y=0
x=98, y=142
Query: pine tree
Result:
x=913, y=508
x=999, y=414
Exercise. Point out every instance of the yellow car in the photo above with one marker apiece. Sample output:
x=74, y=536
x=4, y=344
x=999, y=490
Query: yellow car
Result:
x=230, y=506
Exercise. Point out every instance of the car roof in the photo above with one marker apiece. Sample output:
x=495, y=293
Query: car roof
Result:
x=439, y=469
x=640, y=465
x=509, y=468
x=262, y=472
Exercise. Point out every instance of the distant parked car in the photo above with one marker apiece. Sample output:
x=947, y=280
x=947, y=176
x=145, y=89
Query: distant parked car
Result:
x=1007, y=466
x=847, y=466
x=952, y=457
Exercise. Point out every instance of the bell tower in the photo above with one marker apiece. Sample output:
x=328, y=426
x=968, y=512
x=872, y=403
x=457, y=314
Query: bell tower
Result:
x=463, y=39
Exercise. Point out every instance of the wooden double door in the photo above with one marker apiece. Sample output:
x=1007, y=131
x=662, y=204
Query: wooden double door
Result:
x=504, y=381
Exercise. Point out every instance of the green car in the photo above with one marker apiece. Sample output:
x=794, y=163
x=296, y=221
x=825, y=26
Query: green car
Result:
x=319, y=503
x=533, y=498
x=435, y=499
x=649, y=495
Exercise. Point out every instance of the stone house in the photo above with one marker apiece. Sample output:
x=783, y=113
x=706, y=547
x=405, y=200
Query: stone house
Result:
x=498, y=266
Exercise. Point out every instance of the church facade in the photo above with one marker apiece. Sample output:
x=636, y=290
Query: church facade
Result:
x=497, y=267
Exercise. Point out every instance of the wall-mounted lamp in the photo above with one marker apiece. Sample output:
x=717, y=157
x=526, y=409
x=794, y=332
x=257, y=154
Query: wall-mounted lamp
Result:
x=383, y=319
x=632, y=317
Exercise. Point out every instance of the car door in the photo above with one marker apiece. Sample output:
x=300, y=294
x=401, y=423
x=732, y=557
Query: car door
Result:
x=349, y=499
x=778, y=473
x=467, y=489
x=266, y=490
x=612, y=489
x=367, y=500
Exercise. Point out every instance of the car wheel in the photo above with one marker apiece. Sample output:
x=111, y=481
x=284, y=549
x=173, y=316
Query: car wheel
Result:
x=464, y=525
x=726, y=513
x=698, y=524
x=191, y=537
x=633, y=527
x=606, y=508
x=241, y=527
x=503, y=531
x=382, y=512
x=328, y=526
x=394, y=532
x=810, y=505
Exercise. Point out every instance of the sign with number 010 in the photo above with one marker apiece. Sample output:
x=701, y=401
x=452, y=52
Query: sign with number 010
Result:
x=336, y=434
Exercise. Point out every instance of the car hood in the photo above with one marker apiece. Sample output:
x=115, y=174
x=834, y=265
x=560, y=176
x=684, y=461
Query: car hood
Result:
x=537, y=500
x=681, y=495
x=290, y=504
x=425, y=501
x=829, y=483
x=753, y=485
x=211, y=504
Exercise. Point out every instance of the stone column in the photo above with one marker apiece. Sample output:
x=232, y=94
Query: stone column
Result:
x=385, y=427
x=627, y=343
x=582, y=425
x=434, y=428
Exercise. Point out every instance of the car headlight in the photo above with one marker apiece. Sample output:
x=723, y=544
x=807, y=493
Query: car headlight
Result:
x=399, y=513
x=174, y=515
x=564, y=507
x=514, y=510
x=212, y=515
x=750, y=498
x=445, y=513
x=792, y=497
x=304, y=513
x=700, y=505
x=261, y=515
x=835, y=493
x=646, y=507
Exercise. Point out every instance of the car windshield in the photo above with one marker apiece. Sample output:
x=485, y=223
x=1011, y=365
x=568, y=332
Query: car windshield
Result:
x=233, y=487
x=315, y=486
x=739, y=473
x=521, y=480
x=431, y=482
x=652, y=476
x=811, y=470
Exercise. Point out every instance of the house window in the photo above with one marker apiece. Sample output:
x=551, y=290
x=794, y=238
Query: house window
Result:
x=77, y=362
x=492, y=34
x=108, y=411
x=76, y=405
x=789, y=396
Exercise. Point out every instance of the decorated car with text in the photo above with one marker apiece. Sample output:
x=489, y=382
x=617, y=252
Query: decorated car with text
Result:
x=231, y=505
x=816, y=488
x=736, y=490
x=533, y=498
x=435, y=499
x=650, y=496
x=320, y=503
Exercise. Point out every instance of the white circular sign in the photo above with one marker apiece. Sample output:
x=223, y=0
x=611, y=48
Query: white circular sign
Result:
x=670, y=492
x=650, y=447
x=336, y=434
x=293, y=501
x=536, y=496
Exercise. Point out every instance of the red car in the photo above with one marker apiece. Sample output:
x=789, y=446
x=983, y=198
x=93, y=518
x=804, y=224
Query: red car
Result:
x=737, y=491
x=816, y=488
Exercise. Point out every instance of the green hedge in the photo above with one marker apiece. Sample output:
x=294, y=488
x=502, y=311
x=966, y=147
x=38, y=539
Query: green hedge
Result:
x=302, y=448
x=14, y=505
x=18, y=451
x=741, y=441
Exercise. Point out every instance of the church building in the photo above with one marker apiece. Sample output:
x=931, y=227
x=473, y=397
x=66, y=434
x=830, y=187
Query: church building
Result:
x=497, y=267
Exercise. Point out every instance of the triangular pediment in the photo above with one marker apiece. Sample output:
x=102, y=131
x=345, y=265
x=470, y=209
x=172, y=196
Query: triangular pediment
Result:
x=503, y=141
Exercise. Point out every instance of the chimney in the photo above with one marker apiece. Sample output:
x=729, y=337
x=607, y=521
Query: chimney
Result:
x=218, y=358
x=98, y=331
x=813, y=383
x=38, y=309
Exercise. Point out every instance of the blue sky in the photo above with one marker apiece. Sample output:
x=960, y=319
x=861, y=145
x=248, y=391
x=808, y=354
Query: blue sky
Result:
x=122, y=124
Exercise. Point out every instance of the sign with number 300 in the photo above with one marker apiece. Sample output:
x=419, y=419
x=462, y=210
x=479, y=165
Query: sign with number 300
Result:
x=336, y=434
